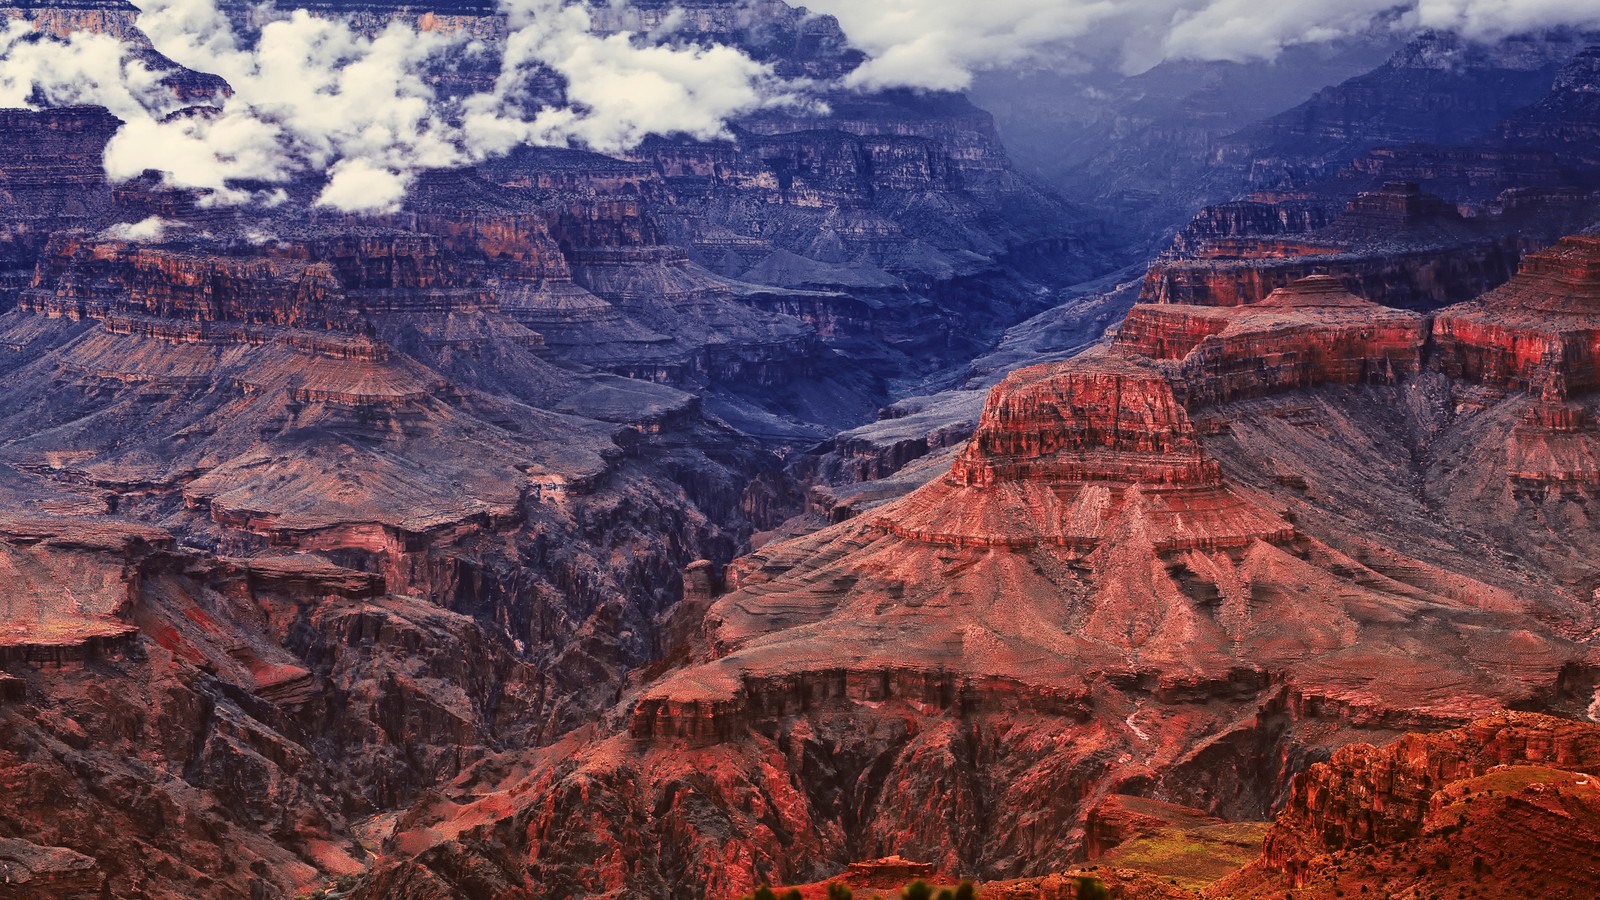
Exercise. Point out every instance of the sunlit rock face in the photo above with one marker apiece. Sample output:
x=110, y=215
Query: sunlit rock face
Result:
x=1308, y=333
x=1507, y=794
x=1539, y=333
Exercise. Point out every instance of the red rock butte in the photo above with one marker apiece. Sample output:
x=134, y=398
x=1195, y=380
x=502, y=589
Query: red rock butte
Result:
x=1311, y=332
x=1068, y=454
x=1538, y=333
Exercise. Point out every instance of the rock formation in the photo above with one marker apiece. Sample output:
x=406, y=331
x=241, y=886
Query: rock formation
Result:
x=1086, y=601
x=1506, y=803
x=1398, y=246
x=1539, y=333
x=405, y=549
x=1310, y=332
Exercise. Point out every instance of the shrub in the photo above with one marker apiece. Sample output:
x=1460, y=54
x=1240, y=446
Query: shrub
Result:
x=1089, y=888
x=917, y=890
x=838, y=890
x=966, y=891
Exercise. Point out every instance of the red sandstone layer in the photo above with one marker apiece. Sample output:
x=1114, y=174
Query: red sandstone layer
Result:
x=1509, y=802
x=1539, y=333
x=1311, y=332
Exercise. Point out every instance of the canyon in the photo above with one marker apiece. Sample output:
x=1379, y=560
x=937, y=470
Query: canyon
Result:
x=724, y=512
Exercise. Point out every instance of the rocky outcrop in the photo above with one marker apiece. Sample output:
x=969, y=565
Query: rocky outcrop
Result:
x=1090, y=420
x=31, y=872
x=1262, y=215
x=1311, y=332
x=72, y=584
x=1491, y=801
x=1540, y=333
x=1399, y=247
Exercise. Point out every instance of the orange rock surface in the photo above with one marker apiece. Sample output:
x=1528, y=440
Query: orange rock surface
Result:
x=1508, y=803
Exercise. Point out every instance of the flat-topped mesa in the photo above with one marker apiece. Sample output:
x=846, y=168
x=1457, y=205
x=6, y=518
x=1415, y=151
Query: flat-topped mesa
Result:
x=1096, y=418
x=1399, y=246
x=1310, y=332
x=1399, y=205
x=1539, y=333
x=1081, y=454
x=1254, y=217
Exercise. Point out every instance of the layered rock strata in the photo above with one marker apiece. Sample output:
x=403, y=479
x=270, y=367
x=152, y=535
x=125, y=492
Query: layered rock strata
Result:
x=1308, y=333
x=1506, y=801
x=1084, y=604
x=1399, y=246
x=1539, y=333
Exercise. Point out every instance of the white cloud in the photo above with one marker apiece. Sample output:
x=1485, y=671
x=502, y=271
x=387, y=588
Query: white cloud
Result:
x=939, y=44
x=149, y=230
x=356, y=185
x=87, y=68
x=620, y=87
x=313, y=95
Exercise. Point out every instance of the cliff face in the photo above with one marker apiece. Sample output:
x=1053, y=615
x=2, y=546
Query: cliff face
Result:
x=247, y=712
x=1504, y=802
x=51, y=177
x=80, y=277
x=1048, y=425
x=1398, y=246
x=1536, y=334
x=1308, y=333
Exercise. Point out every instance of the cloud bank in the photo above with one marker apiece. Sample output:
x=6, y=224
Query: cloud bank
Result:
x=939, y=44
x=312, y=95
